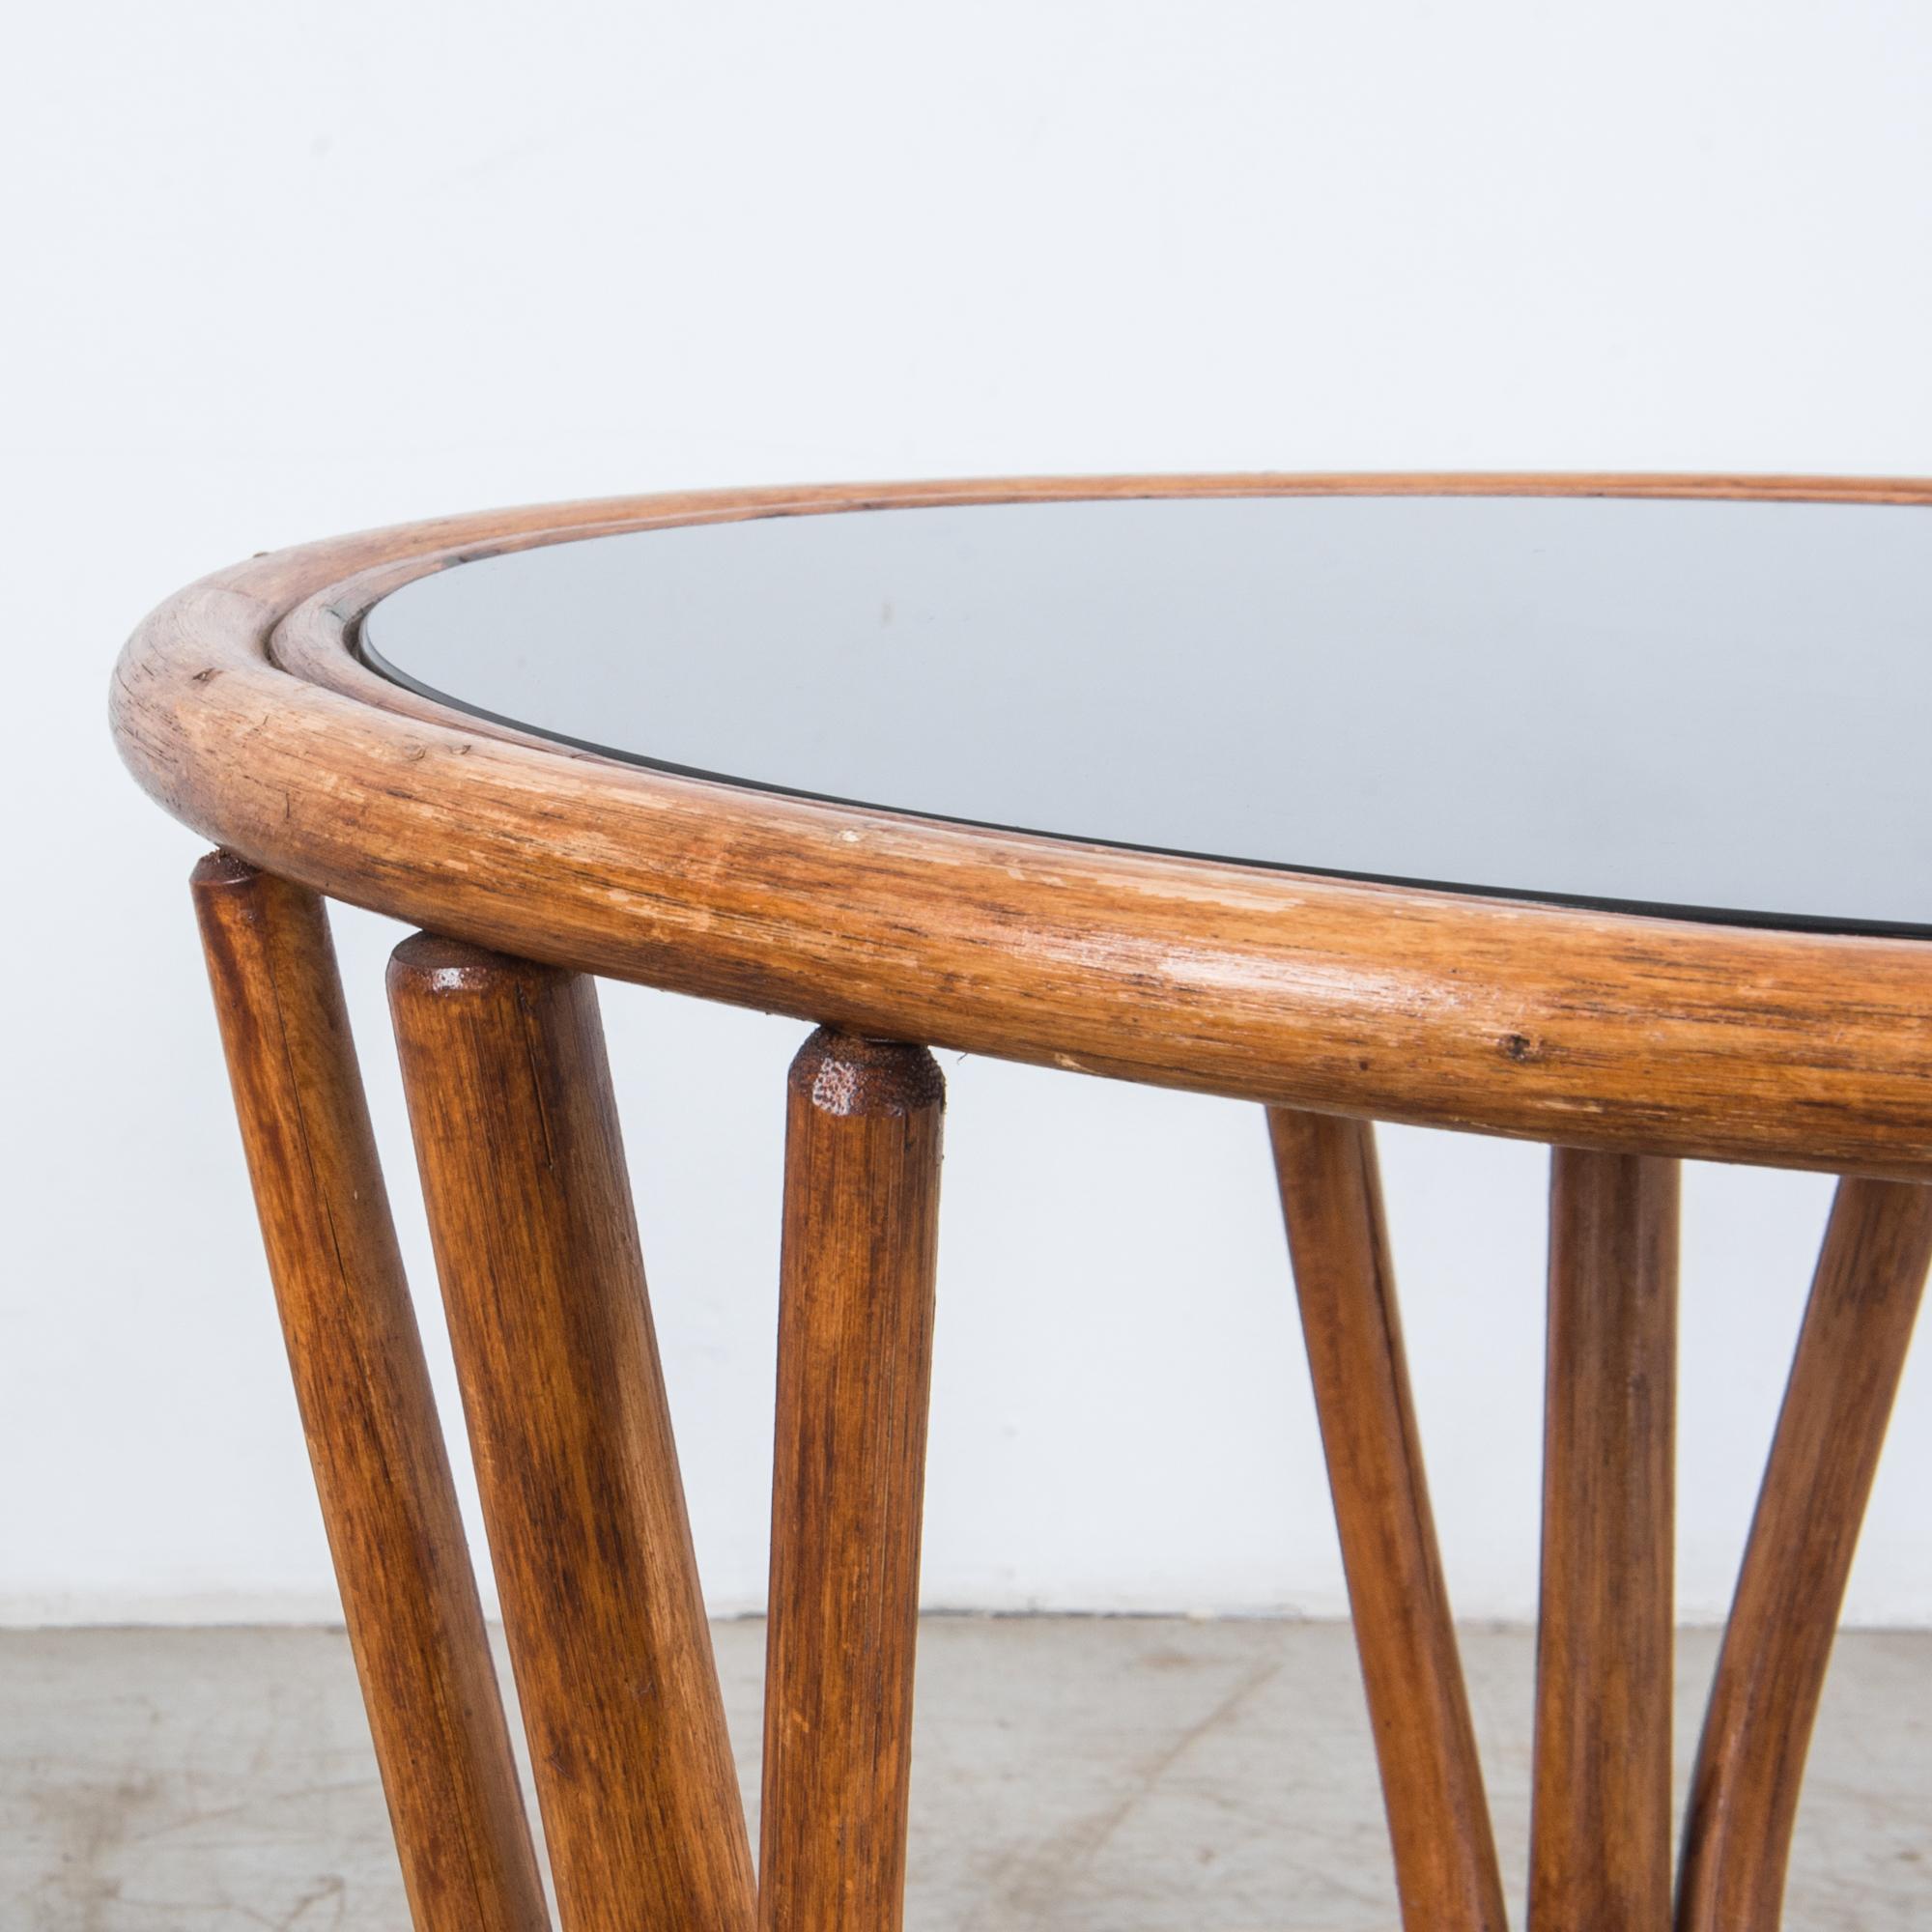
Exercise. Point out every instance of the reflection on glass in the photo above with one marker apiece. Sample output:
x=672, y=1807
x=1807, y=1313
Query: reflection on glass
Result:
x=1713, y=707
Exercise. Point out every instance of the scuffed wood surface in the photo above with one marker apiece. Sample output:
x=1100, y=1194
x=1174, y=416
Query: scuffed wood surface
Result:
x=1438, y=1814
x=1600, y=1809
x=536, y=1247
x=382, y=1473
x=240, y=707
x=848, y=1481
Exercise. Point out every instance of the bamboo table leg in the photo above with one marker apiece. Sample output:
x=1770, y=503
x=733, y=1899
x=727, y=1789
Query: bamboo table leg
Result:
x=1438, y=1816
x=1771, y=1673
x=537, y=1247
x=380, y=1469
x=1600, y=1832
x=536, y=1244
x=855, y=1353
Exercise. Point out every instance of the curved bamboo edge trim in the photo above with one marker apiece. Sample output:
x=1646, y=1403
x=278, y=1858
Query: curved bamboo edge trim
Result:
x=239, y=708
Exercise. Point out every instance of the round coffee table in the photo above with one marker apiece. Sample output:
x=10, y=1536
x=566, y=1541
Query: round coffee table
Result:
x=1591, y=811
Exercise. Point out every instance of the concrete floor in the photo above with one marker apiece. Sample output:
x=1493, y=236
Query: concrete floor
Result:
x=1078, y=1775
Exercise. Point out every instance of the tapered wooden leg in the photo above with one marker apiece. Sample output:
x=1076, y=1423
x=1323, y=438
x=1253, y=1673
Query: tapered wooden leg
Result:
x=1446, y=1858
x=854, y=1355
x=536, y=1243
x=1771, y=1673
x=380, y=1470
x=1600, y=1827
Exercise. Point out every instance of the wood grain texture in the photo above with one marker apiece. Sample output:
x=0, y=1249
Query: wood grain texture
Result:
x=854, y=1369
x=241, y=707
x=1445, y=1856
x=536, y=1244
x=407, y=1594
x=1600, y=1823
x=1771, y=1673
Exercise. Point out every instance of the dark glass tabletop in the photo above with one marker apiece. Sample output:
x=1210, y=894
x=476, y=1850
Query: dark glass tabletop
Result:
x=1714, y=709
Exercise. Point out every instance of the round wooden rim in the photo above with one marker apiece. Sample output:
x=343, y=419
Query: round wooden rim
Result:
x=241, y=707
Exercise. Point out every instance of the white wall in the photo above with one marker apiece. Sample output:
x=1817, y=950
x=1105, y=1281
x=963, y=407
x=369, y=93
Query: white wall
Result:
x=282, y=269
